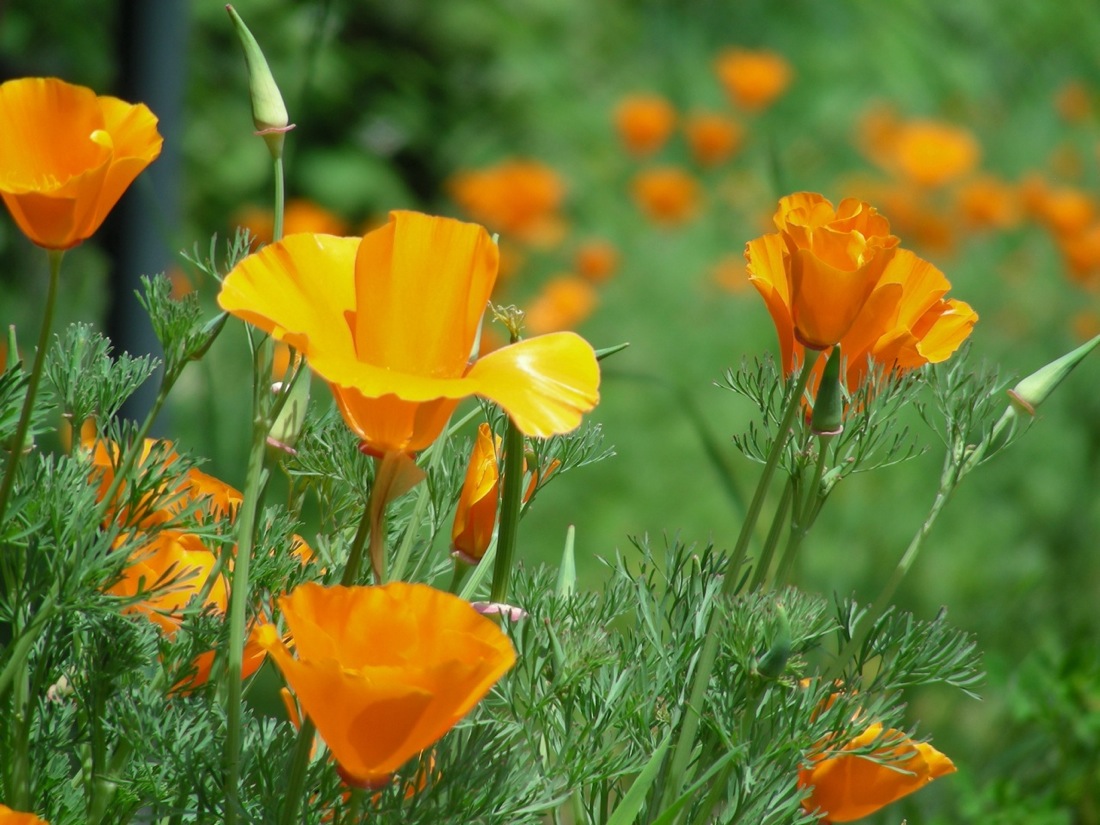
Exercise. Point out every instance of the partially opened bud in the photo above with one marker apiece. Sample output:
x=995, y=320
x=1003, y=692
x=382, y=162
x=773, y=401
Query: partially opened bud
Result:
x=1034, y=390
x=268, y=110
x=828, y=417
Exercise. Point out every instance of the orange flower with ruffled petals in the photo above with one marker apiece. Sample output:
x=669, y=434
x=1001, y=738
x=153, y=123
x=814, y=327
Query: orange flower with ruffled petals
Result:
x=10, y=817
x=385, y=671
x=846, y=786
x=753, y=79
x=66, y=156
x=820, y=269
x=644, y=122
x=390, y=319
x=903, y=321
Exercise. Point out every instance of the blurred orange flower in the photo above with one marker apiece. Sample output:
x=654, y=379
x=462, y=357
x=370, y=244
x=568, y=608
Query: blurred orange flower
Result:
x=385, y=671
x=667, y=195
x=713, y=138
x=894, y=311
x=596, y=260
x=931, y=153
x=753, y=79
x=1064, y=210
x=1073, y=101
x=10, y=817
x=390, y=319
x=299, y=215
x=644, y=123
x=846, y=786
x=987, y=202
x=563, y=302
x=66, y=157
x=476, y=513
x=518, y=198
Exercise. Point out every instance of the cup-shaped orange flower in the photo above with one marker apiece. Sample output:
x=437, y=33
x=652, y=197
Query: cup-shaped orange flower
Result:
x=847, y=786
x=66, y=156
x=819, y=270
x=389, y=320
x=905, y=321
x=476, y=513
x=384, y=672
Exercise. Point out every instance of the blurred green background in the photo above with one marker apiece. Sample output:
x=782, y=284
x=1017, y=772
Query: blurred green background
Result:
x=392, y=99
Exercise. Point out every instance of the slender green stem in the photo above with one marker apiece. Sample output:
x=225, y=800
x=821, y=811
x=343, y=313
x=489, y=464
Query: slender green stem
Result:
x=802, y=517
x=461, y=570
x=948, y=482
x=280, y=198
x=685, y=742
x=299, y=767
x=511, y=502
x=774, y=532
x=239, y=596
x=355, y=554
x=20, y=648
x=55, y=257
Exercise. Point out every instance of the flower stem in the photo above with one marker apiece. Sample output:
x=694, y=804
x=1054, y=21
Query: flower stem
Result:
x=280, y=197
x=16, y=446
x=511, y=501
x=685, y=742
x=768, y=550
x=299, y=767
x=355, y=554
x=803, y=515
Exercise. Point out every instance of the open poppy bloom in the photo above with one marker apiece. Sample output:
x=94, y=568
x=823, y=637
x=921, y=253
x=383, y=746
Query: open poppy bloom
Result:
x=390, y=319
x=66, y=156
x=847, y=786
x=826, y=282
x=385, y=671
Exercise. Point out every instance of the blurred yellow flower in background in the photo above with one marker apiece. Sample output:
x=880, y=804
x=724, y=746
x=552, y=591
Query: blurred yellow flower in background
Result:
x=66, y=156
x=385, y=671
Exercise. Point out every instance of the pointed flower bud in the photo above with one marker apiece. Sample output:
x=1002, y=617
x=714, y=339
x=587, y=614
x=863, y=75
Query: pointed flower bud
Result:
x=268, y=110
x=828, y=417
x=1034, y=390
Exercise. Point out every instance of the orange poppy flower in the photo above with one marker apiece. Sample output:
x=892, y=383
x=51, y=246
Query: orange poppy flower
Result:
x=385, y=671
x=1073, y=101
x=713, y=138
x=848, y=786
x=476, y=513
x=389, y=320
x=66, y=157
x=667, y=195
x=518, y=198
x=644, y=123
x=928, y=152
x=564, y=302
x=816, y=274
x=10, y=817
x=753, y=79
x=988, y=202
x=903, y=322
x=596, y=260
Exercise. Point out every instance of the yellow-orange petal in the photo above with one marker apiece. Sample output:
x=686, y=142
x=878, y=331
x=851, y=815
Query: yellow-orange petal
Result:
x=766, y=271
x=476, y=512
x=10, y=817
x=545, y=384
x=390, y=424
x=299, y=291
x=848, y=787
x=422, y=284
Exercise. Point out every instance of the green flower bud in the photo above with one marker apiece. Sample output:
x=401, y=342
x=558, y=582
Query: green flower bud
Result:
x=828, y=417
x=1034, y=390
x=268, y=110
